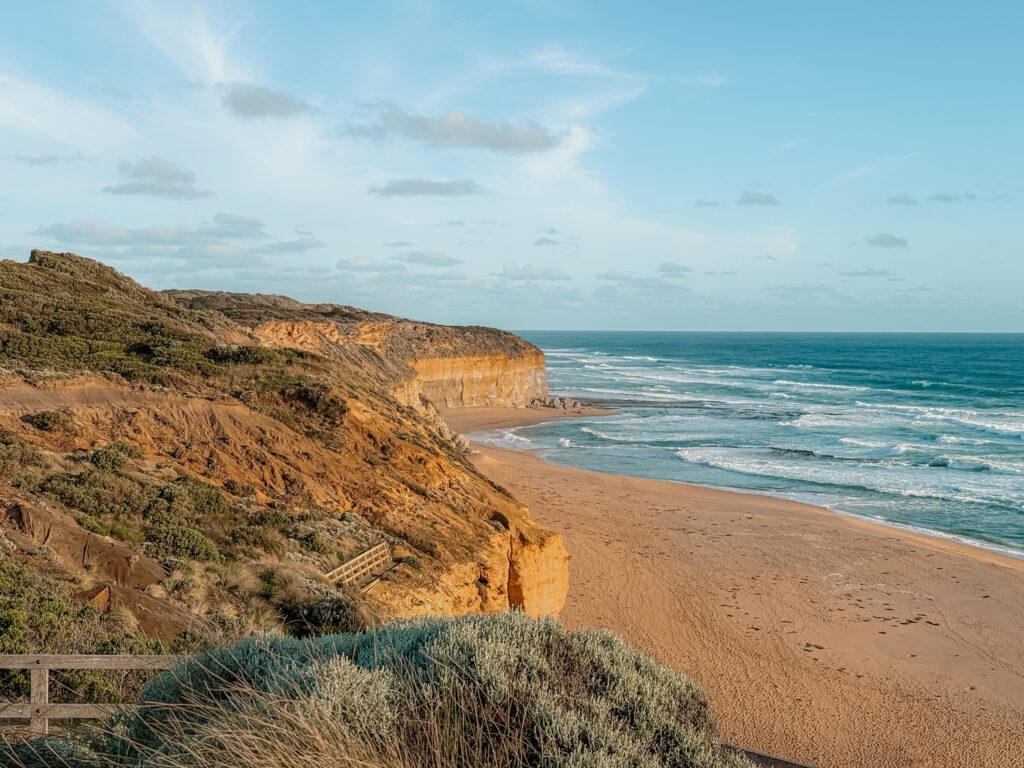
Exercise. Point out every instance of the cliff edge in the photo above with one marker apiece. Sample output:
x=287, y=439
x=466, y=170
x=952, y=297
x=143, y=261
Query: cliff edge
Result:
x=450, y=366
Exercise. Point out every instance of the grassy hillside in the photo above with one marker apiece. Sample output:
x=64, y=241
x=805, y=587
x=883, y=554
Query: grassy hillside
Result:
x=168, y=478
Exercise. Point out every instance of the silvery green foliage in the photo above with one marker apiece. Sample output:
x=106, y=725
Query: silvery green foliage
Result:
x=367, y=701
x=583, y=698
x=505, y=689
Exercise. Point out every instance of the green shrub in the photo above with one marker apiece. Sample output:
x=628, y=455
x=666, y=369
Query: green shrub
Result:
x=114, y=456
x=343, y=613
x=191, y=501
x=235, y=488
x=17, y=458
x=321, y=399
x=230, y=354
x=103, y=494
x=50, y=421
x=181, y=541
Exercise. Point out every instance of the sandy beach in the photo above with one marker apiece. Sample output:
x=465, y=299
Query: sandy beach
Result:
x=817, y=637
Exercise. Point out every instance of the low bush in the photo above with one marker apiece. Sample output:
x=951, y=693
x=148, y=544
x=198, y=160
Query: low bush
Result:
x=180, y=541
x=487, y=692
x=114, y=456
x=50, y=421
x=18, y=459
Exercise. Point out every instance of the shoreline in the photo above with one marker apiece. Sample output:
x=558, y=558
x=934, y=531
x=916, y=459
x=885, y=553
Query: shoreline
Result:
x=487, y=419
x=817, y=636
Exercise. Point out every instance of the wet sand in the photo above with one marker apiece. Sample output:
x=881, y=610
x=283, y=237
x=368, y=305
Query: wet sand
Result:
x=817, y=637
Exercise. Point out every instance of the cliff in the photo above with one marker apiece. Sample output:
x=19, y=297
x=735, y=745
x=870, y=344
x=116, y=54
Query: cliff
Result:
x=226, y=450
x=451, y=367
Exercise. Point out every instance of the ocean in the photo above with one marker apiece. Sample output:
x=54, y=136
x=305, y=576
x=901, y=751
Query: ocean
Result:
x=924, y=431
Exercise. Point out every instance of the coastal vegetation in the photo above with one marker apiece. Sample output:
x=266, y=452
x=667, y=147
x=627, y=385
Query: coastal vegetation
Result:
x=482, y=691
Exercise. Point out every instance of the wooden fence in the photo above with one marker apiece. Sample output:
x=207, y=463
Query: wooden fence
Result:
x=40, y=711
x=359, y=567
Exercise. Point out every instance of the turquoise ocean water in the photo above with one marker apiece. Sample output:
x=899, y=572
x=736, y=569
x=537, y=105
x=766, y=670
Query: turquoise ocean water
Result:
x=918, y=430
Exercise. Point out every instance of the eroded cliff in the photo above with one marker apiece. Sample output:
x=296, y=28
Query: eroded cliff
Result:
x=232, y=449
x=450, y=366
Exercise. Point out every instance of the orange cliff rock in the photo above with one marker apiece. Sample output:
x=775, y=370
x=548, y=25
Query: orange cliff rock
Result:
x=350, y=428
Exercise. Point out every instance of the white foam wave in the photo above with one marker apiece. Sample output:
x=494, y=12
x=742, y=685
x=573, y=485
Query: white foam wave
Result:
x=816, y=385
x=900, y=480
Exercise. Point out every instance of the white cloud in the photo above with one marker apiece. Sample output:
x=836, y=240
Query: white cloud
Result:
x=183, y=33
x=428, y=258
x=886, y=240
x=455, y=129
x=867, y=272
x=258, y=101
x=157, y=178
x=673, y=269
x=368, y=265
x=748, y=197
x=429, y=187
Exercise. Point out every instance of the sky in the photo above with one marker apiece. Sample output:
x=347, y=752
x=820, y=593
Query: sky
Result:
x=800, y=166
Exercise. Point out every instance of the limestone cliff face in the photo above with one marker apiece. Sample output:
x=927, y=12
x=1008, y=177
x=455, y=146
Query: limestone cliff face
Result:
x=494, y=380
x=451, y=367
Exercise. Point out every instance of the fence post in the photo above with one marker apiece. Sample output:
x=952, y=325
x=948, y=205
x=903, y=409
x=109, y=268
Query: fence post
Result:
x=40, y=697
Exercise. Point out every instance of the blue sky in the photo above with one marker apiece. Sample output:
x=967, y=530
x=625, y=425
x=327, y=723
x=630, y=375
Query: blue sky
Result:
x=719, y=166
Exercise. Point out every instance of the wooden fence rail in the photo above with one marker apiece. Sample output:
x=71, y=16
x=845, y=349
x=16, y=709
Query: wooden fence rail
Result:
x=39, y=711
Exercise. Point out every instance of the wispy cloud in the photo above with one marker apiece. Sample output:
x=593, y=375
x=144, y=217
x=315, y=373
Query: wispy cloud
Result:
x=873, y=167
x=673, y=269
x=296, y=245
x=426, y=187
x=749, y=197
x=867, y=272
x=233, y=226
x=186, y=36
x=705, y=203
x=900, y=198
x=38, y=160
x=624, y=286
x=530, y=272
x=157, y=178
x=944, y=197
x=258, y=101
x=804, y=289
x=455, y=130
x=886, y=240
x=428, y=258
x=368, y=265
x=223, y=237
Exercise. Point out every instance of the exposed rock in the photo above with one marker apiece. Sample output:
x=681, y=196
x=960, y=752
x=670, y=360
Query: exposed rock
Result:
x=561, y=403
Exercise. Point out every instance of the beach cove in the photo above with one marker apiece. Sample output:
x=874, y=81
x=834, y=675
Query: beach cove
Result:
x=816, y=636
